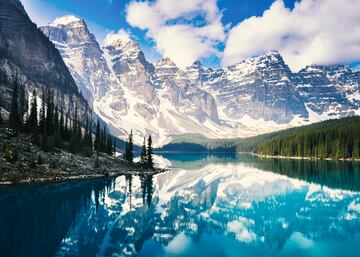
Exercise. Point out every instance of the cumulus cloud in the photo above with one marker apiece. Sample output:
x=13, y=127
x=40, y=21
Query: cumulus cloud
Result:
x=314, y=32
x=113, y=36
x=184, y=30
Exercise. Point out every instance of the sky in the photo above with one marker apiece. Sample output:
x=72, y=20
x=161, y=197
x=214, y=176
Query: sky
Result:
x=220, y=32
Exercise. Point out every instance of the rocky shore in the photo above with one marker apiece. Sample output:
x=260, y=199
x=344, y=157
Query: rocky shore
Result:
x=23, y=162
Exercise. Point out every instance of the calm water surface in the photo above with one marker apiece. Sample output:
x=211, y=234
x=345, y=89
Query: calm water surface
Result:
x=222, y=205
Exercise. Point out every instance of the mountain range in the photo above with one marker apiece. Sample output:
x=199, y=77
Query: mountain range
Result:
x=255, y=96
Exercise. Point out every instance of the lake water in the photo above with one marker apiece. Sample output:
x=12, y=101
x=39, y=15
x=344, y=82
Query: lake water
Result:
x=223, y=205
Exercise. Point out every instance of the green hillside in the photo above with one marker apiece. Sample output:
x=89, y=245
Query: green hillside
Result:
x=337, y=138
x=329, y=139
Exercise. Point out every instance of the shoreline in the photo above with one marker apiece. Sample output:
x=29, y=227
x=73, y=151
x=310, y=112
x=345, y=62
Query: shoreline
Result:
x=22, y=162
x=73, y=177
x=303, y=158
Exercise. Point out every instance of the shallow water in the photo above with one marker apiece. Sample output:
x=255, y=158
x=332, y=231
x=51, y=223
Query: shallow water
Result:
x=208, y=205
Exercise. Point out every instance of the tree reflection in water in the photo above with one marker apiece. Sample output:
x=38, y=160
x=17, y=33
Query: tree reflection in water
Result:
x=255, y=205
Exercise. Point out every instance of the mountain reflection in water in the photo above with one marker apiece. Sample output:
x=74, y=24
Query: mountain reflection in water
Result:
x=218, y=205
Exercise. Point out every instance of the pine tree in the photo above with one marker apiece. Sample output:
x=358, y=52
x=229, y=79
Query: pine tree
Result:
x=97, y=137
x=23, y=105
x=143, y=155
x=130, y=155
x=56, y=127
x=42, y=114
x=85, y=140
x=103, y=140
x=44, y=141
x=61, y=124
x=1, y=117
x=56, y=123
x=32, y=121
x=150, y=161
x=42, y=124
x=49, y=113
x=14, y=116
x=66, y=128
x=126, y=151
x=90, y=142
x=114, y=149
x=76, y=135
x=131, y=147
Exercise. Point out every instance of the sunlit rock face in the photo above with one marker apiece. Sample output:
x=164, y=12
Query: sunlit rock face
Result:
x=127, y=91
x=260, y=87
x=255, y=96
x=82, y=54
x=329, y=90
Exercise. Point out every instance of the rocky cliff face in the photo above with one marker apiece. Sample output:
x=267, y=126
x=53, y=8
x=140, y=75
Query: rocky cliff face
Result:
x=26, y=52
x=82, y=55
x=134, y=94
x=255, y=96
x=329, y=90
x=260, y=87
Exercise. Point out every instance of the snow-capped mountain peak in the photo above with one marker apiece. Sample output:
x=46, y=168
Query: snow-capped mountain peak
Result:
x=197, y=64
x=66, y=20
x=165, y=62
x=82, y=55
x=258, y=95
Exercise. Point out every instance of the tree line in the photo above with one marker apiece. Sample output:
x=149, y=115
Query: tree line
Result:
x=51, y=128
x=329, y=139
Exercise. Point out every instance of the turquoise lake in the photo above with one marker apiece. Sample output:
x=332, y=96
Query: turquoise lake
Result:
x=205, y=205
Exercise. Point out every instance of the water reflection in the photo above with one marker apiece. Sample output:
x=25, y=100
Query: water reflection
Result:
x=220, y=206
x=334, y=174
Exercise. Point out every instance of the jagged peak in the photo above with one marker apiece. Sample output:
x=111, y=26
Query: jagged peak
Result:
x=273, y=56
x=118, y=39
x=272, y=53
x=196, y=64
x=66, y=20
x=332, y=68
x=166, y=61
x=126, y=46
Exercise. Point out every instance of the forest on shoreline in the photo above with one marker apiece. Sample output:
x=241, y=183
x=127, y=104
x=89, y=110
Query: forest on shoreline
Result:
x=331, y=139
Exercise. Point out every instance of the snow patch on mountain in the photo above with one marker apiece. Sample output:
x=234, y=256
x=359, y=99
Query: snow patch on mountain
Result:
x=255, y=96
x=64, y=20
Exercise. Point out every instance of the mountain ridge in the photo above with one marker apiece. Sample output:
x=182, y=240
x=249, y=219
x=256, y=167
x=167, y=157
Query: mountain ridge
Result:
x=258, y=95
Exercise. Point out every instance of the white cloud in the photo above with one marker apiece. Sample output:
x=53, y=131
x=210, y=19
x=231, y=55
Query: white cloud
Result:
x=121, y=35
x=170, y=24
x=314, y=32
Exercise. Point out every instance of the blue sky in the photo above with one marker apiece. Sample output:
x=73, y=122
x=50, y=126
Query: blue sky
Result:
x=235, y=38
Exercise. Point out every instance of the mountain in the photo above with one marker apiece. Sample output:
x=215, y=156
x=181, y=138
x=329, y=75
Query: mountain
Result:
x=82, y=55
x=135, y=94
x=256, y=96
x=330, y=91
x=261, y=88
x=27, y=53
